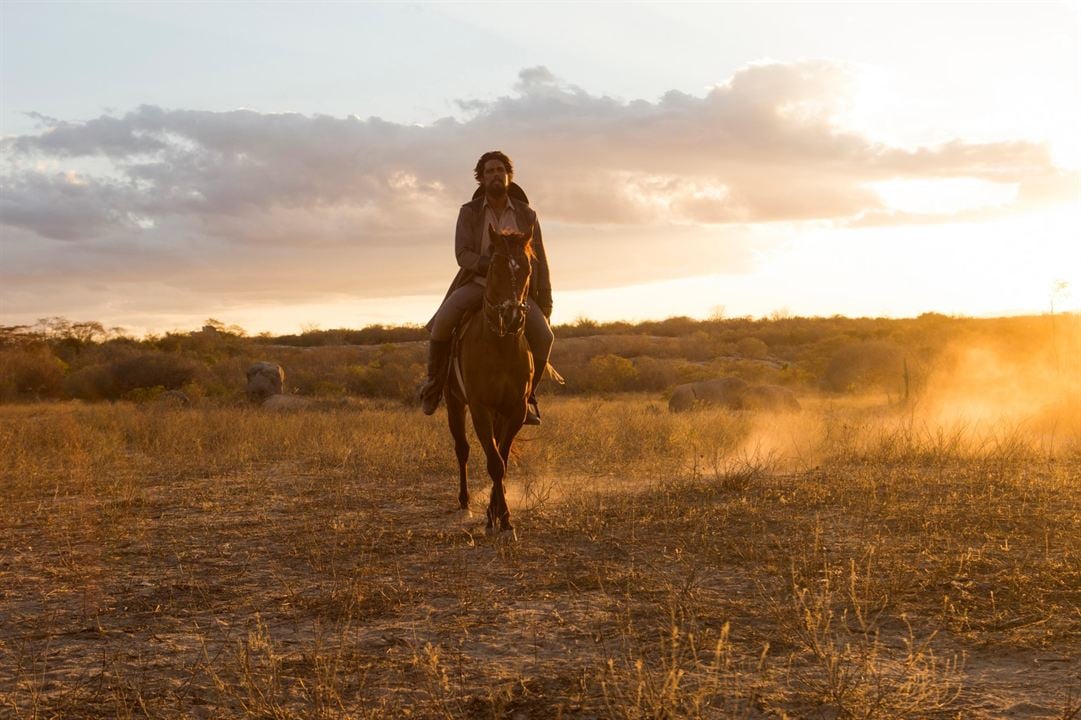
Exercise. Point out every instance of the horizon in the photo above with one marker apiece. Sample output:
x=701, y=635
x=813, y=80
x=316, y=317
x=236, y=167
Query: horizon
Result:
x=62, y=324
x=727, y=159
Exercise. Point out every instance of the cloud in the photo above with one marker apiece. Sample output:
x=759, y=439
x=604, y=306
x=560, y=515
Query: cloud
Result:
x=246, y=199
x=63, y=206
x=768, y=135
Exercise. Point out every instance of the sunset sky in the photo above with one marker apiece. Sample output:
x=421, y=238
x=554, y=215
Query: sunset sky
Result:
x=291, y=165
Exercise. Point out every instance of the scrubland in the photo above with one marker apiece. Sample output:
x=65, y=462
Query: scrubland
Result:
x=856, y=560
x=865, y=558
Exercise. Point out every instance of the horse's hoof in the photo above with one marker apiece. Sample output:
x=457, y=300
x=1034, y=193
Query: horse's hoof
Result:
x=509, y=534
x=489, y=531
x=464, y=514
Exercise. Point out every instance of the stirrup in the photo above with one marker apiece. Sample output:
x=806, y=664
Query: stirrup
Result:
x=532, y=413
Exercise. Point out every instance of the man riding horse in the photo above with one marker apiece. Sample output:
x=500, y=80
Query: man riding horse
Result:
x=503, y=205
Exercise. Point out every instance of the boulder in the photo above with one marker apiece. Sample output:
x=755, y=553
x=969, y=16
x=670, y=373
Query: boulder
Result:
x=174, y=398
x=683, y=398
x=264, y=380
x=723, y=392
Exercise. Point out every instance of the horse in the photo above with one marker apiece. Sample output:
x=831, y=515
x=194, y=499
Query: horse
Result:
x=494, y=368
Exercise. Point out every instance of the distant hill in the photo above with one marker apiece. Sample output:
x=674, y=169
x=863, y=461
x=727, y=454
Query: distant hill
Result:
x=58, y=359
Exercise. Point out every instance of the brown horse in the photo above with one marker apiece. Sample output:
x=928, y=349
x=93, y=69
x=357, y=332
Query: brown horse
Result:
x=496, y=368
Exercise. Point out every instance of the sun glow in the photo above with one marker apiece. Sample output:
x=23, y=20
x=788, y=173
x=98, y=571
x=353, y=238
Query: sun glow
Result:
x=1006, y=267
x=945, y=195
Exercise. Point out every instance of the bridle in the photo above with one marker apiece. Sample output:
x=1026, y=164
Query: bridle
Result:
x=496, y=314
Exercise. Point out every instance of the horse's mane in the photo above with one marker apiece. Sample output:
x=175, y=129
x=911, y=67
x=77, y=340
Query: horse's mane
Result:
x=528, y=247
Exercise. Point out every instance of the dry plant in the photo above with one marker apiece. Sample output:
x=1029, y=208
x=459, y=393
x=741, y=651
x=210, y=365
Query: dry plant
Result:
x=858, y=561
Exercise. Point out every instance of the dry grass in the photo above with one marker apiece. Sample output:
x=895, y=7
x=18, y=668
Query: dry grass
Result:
x=851, y=562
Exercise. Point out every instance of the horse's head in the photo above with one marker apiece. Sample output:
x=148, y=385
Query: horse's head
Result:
x=506, y=297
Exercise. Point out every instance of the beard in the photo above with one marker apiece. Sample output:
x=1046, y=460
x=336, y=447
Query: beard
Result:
x=496, y=189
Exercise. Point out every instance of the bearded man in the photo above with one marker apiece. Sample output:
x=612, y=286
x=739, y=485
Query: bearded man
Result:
x=503, y=205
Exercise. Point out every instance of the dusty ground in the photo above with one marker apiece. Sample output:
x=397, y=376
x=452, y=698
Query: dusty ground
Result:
x=224, y=563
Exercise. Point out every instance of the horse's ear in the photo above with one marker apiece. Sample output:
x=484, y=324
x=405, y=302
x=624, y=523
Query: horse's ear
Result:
x=527, y=242
x=492, y=234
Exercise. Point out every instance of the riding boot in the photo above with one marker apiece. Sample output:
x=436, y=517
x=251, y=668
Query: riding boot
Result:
x=438, y=364
x=532, y=414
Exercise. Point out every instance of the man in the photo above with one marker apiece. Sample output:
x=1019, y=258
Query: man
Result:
x=493, y=206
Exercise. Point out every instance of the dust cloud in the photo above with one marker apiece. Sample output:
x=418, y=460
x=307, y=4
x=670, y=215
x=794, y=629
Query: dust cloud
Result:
x=977, y=397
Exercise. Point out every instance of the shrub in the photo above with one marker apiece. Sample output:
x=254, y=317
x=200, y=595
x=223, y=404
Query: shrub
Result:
x=655, y=375
x=608, y=373
x=94, y=382
x=151, y=370
x=752, y=347
x=870, y=365
x=30, y=372
x=119, y=378
x=364, y=380
x=393, y=374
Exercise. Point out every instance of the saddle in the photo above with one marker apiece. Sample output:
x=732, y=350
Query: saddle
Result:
x=454, y=379
x=455, y=382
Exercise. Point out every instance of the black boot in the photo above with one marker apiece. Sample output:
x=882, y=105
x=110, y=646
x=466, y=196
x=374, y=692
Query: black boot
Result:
x=532, y=412
x=438, y=364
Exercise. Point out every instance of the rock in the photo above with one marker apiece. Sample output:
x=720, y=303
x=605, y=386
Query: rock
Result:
x=264, y=380
x=174, y=398
x=724, y=392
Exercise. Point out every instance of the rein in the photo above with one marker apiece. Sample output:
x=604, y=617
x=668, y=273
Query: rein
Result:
x=496, y=324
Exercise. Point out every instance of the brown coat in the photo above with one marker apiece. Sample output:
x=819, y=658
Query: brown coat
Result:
x=466, y=249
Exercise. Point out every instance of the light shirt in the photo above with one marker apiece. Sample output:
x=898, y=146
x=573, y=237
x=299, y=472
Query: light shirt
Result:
x=501, y=221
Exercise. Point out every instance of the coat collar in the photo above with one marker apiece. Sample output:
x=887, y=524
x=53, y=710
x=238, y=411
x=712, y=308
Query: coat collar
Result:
x=477, y=205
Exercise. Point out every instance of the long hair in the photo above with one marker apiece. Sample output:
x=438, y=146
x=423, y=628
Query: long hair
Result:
x=478, y=171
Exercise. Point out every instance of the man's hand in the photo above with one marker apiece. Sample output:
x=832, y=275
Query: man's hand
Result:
x=482, y=265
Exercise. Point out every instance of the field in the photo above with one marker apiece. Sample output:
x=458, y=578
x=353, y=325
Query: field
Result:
x=858, y=560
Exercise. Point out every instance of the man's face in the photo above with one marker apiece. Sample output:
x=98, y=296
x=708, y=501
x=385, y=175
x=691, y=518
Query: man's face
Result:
x=496, y=179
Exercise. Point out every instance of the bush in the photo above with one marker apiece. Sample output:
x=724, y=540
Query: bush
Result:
x=393, y=374
x=364, y=380
x=870, y=365
x=752, y=347
x=655, y=375
x=151, y=370
x=94, y=382
x=30, y=373
x=120, y=378
x=608, y=373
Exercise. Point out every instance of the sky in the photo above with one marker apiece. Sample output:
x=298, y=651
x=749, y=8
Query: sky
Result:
x=295, y=165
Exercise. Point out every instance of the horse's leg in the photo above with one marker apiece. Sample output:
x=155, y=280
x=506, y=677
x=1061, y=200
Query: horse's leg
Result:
x=506, y=431
x=499, y=424
x=456, y=421
x=483, y=423
x=509, y=431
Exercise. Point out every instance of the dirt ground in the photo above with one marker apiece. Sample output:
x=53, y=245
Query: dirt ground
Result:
x=221, y=563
